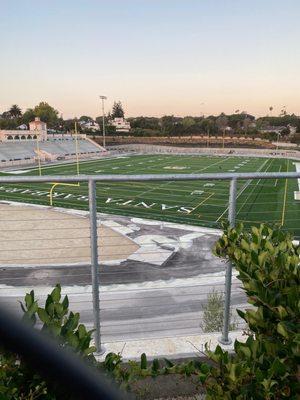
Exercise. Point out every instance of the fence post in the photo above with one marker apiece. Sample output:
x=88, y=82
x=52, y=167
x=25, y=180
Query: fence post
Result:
x=228, y=276
x=94, y=262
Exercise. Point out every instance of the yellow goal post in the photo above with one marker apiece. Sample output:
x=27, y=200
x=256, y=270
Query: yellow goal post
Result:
x=59, y=184
x=54, y=184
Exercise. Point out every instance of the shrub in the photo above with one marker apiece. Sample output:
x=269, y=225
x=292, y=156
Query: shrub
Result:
x=213, y=313
x=17, y=380
x=295, y=138
x=266, y=366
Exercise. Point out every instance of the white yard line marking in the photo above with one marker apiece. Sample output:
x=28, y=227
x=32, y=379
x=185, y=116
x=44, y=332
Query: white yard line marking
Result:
x=151, y=190
x=82, y=162
x=242, y=190
x=284, y=197
x=168, y=183
x=275, y=184
x=203, y=201
x=210, y=165
x=254, y=187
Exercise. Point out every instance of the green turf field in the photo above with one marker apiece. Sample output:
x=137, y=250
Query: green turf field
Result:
x=191, y=202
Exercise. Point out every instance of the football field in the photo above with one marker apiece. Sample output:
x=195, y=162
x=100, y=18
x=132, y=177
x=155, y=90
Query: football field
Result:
x=190, y=202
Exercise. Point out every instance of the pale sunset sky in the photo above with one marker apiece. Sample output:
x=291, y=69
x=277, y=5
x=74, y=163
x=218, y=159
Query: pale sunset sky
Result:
x=181, y=57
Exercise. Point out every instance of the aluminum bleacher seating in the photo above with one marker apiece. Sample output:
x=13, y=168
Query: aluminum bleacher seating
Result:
x=62, y=147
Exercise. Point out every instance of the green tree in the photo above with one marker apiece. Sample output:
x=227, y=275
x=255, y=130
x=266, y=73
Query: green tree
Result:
x=68, y=125
x=117, y=110
x=246, y=124
x=208, y=125
x=167, y=123
x=144, y=123
x=99, y=121
x=222, y=122
x=17, y=379
x=187, y=122
x=47, y=114
x=8, y=123
x=85, y=118
x=28, y=116
x=109, y=129
x=15, y=111
x=266, y=365
x=6, y=115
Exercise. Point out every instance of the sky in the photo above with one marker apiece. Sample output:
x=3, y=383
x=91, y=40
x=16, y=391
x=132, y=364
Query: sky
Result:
x=180, y=57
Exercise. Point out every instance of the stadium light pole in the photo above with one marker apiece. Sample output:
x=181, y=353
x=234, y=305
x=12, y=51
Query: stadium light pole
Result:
x=103, y=119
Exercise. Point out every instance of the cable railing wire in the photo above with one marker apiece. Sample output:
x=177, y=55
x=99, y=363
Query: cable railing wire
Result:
x=247, y=190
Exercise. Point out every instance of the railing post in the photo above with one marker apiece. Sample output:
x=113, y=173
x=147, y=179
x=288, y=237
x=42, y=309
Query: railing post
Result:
x=228, y=276
x=94, y=262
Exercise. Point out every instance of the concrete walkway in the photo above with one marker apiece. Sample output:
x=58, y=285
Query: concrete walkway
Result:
x=172, y=348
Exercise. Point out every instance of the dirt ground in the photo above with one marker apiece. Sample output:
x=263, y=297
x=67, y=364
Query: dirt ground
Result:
x=41, y=236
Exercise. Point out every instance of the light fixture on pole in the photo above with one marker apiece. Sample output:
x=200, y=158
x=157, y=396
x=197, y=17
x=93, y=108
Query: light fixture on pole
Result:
x=103, y=119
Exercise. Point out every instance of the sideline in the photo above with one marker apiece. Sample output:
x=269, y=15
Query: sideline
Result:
x=170, y=347
x=285, y=196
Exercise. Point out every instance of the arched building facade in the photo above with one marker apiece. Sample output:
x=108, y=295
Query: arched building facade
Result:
x=37, y=131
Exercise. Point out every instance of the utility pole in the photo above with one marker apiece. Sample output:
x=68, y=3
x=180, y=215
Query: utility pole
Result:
x=103, y=119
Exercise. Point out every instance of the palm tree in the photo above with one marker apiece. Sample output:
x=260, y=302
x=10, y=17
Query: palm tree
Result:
x=15, y=111
x=271, y=109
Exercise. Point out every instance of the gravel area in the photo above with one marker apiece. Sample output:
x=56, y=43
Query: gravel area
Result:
x=39, y=236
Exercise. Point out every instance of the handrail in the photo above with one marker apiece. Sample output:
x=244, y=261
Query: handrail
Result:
x=150, y=177
x=233, y=177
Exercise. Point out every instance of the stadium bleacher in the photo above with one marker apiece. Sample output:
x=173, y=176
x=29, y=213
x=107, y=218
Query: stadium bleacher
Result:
x=17, y=150
x=64, y=147
x=51, y=149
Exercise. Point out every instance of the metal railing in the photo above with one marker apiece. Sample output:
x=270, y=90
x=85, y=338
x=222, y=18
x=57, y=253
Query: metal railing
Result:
x=92, y=204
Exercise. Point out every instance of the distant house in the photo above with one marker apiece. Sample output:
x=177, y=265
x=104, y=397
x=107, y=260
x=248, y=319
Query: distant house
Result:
x=121, y=124
x=22, y=127
x=293, y=129
x=37, y=131
x=270, y=129
x=279, y=129
x=89, y=125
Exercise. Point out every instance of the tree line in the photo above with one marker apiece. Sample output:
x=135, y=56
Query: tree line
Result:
x=14, y=117
x=238, y=123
